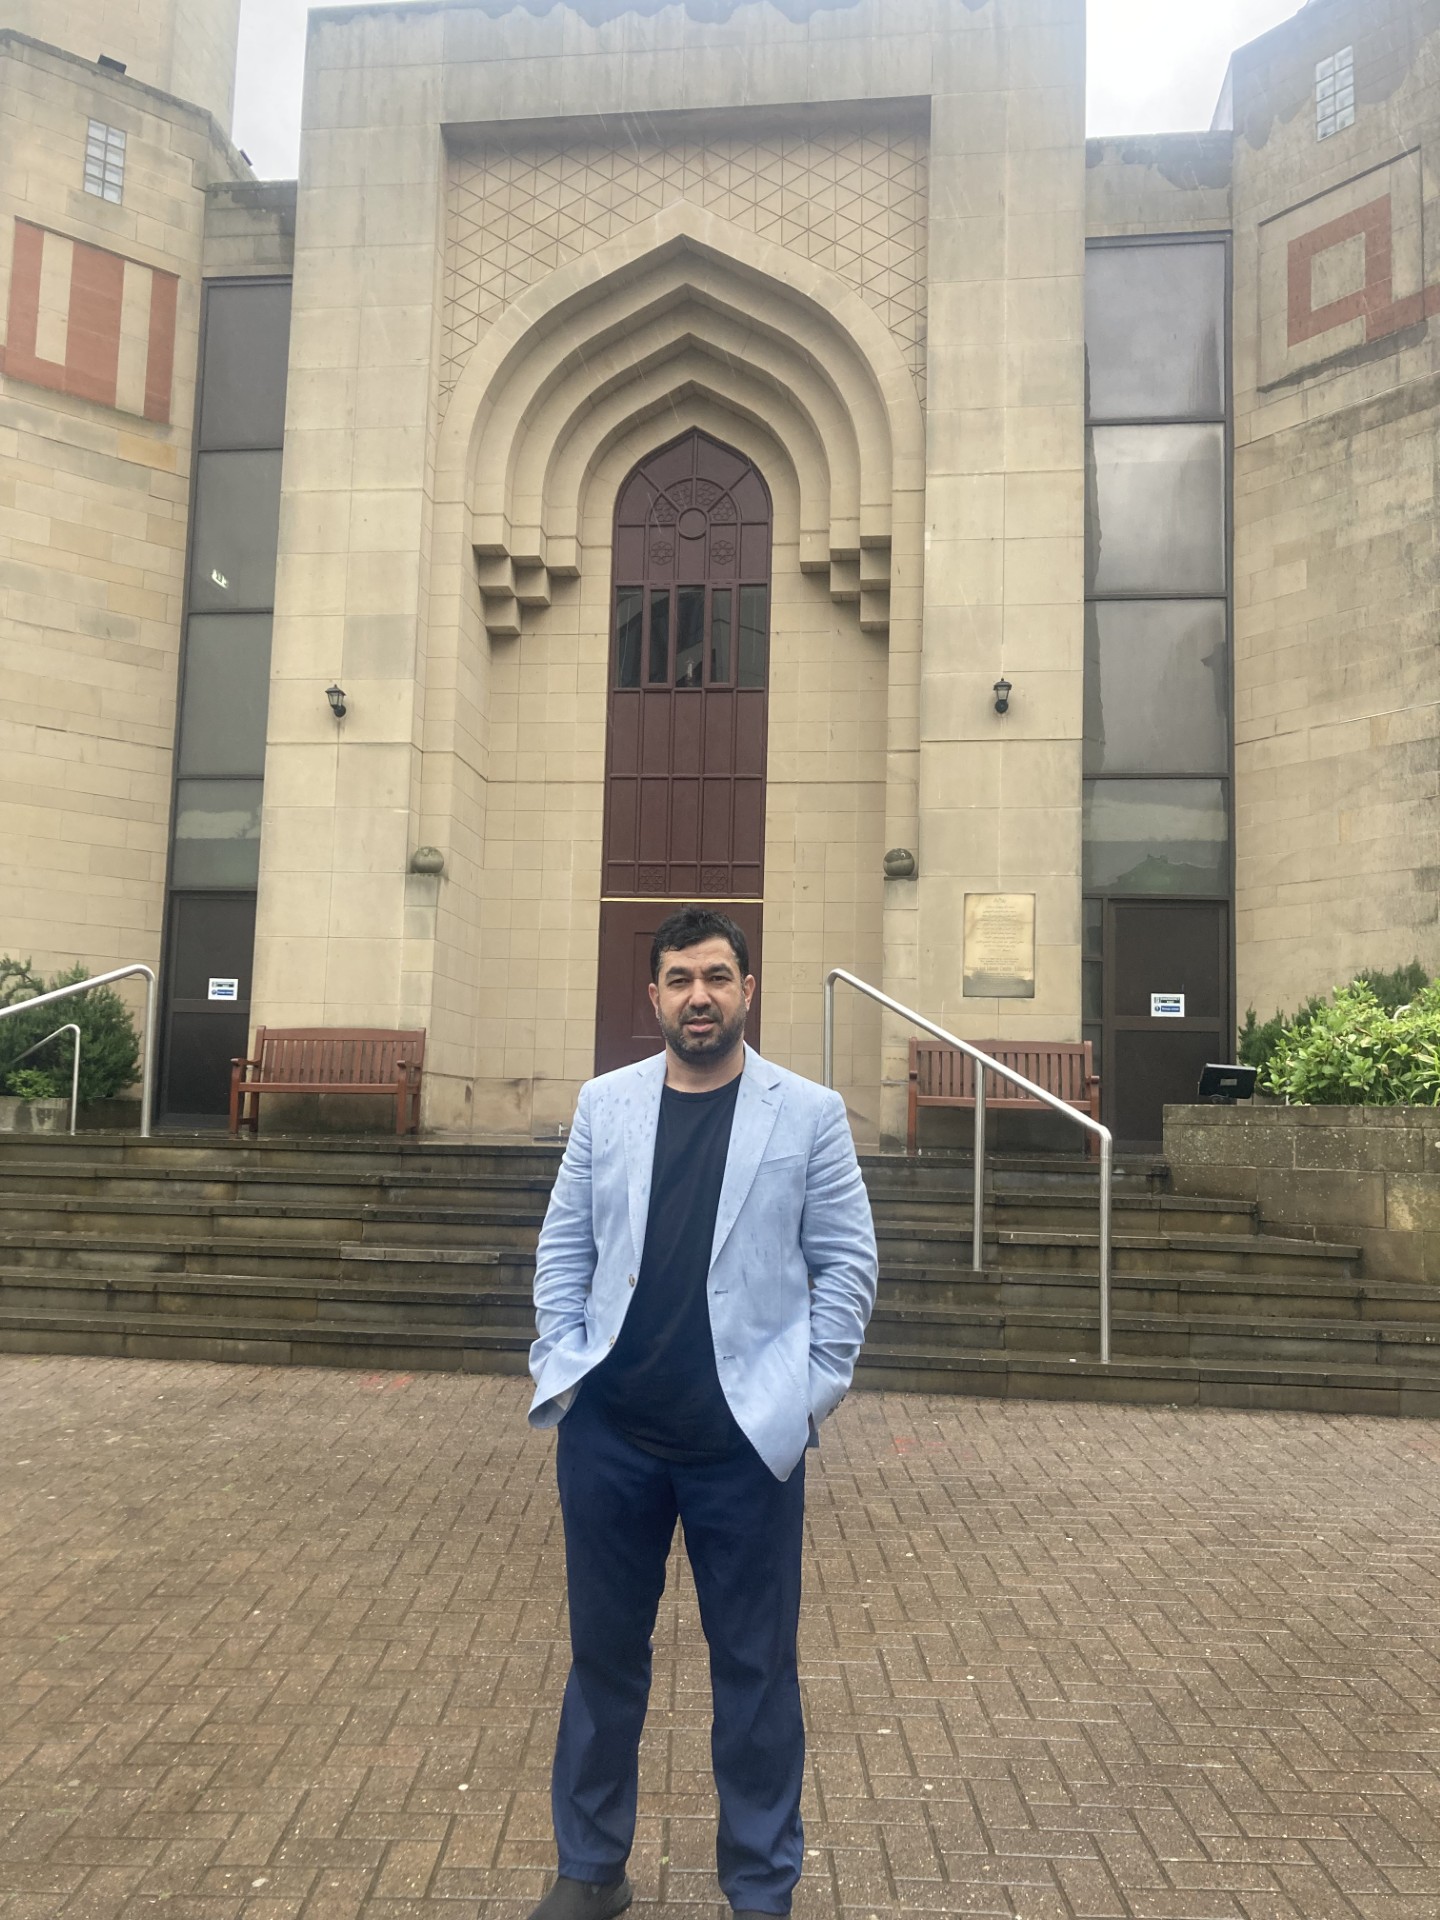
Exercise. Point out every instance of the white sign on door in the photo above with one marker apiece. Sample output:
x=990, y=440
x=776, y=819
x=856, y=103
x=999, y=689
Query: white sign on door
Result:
x=224, y=990
x=1167, y=1006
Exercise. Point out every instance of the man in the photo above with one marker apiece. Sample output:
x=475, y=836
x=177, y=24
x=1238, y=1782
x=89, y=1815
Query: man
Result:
x=688, y=1363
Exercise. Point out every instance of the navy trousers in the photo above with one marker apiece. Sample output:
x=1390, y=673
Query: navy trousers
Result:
x=743, y=1535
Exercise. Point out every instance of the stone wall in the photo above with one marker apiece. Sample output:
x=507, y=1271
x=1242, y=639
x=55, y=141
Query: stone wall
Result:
x=1363, y=1175
x=1337, y=570
x=101, y=306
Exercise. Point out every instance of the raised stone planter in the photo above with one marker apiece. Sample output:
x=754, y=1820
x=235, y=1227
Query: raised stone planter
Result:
x=1369, y=1175
x=33, y=1116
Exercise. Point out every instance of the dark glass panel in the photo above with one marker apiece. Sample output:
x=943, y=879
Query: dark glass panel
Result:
x=1092, y=982
x=237, y=515
x=754, y=609
x=720, y=635
x=211, y=934
x=1094, y=922
x=1155, y=331
x=227, y=692
x=629, y=618
x=247, y=352
x=1156, y=687
x=1156, y=836
x=1155, y=512
x=197, y=1067
x=659, y=636
x=689, y=636
x=217, y=833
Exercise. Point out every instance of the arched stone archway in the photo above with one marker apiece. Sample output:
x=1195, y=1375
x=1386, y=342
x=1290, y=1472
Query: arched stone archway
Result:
x=683, y=323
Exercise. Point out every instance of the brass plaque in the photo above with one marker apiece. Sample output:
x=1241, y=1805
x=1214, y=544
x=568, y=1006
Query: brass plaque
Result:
x=1000, y=946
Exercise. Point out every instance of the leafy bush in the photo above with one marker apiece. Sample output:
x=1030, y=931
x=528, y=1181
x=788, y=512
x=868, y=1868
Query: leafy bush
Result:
x=109, y=1044
x=33, y=1083
x=1259, y=1039
x=1356, y=1052
x=1398, y=989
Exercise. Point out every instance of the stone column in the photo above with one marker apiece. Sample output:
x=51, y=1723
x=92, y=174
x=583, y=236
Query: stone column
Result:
x=1004, y=578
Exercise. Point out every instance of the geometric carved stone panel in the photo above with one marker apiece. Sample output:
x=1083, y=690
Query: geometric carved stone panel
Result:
x=856, y=203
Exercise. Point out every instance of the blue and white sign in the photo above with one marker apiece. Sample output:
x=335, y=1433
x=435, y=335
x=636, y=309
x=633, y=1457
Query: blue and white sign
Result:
x=1167, y=1006
x=224, y=990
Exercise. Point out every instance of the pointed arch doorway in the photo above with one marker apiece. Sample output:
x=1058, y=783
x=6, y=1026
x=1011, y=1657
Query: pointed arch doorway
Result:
x=688, y=711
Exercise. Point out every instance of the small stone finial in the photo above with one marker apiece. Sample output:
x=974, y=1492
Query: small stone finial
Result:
x=900, y=864
x=427, y=860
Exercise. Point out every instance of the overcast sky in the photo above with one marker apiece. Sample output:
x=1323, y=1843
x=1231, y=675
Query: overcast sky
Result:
x=1155, y=67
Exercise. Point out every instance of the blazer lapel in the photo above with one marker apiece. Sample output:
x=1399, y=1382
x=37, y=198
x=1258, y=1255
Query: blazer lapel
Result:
x=640, y=1116
x=757, y=1106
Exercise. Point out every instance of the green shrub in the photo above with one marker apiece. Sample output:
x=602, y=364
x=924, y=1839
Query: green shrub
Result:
x=34, y=1083
x=1355, y=1052
x=1259, y=1039
x=109, y=1044
x=1398, y=989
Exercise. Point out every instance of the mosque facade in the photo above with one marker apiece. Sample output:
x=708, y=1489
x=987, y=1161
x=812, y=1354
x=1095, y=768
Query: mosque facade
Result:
x=751, y=452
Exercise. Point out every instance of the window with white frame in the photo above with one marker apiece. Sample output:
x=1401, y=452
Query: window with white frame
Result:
x=105, y=162
x=1335, y=94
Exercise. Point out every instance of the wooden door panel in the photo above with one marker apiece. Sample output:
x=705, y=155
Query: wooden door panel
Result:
x=686, y=743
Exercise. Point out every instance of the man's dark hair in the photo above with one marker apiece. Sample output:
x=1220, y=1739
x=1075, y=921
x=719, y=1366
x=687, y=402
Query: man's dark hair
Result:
x=688, y=926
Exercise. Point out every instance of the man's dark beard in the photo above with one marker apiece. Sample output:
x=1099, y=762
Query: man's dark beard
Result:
x=717, y=1043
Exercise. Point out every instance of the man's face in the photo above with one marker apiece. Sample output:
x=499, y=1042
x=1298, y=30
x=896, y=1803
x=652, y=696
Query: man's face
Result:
x=701, y=1001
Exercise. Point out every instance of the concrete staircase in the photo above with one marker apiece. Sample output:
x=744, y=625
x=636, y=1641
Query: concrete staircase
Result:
x=412, y=1255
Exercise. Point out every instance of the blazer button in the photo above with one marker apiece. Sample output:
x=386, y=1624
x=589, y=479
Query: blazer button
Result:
x=632, y=1279
x=611, y=1341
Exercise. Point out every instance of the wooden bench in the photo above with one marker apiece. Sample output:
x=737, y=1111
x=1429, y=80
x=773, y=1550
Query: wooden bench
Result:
x=942, y=1076
x=329, y=1060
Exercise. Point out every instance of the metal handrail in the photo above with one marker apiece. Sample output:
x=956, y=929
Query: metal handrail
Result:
x=147, y=1055
x=986, y=1063
x=69, y=1027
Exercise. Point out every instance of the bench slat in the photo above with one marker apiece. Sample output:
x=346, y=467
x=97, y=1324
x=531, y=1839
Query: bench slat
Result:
x=330, y=1060
x=943, y=1076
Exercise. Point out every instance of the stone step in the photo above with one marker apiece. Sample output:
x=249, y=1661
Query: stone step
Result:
x=250, y=1298
x=1067, y=1212
x=1210, y=1337
x=313, y=1261
x=1180, y=1252
x=342, y=1155
x=1260, y=1295
x=1070, y=1328
x=1231, y=1383
x=152, y=1336
x=62, y=1179
x=503, y=1219
x=269, y=1185
x=1273, y=1383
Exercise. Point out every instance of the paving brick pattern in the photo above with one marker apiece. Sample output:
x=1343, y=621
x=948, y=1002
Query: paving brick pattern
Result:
x=290, y=1643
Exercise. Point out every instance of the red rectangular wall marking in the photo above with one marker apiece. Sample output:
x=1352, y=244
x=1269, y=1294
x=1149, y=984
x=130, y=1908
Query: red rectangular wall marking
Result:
x=91, y=365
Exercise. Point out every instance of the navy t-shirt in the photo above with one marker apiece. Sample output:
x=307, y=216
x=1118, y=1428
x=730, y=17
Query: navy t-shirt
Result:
x=659, y=1386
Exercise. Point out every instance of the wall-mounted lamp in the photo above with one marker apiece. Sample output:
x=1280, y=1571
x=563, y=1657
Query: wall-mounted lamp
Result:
x=1002, y=696
x=336, y=697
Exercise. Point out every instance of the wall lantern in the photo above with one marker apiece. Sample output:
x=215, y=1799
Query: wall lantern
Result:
x=336, y=697
x=1002, y=696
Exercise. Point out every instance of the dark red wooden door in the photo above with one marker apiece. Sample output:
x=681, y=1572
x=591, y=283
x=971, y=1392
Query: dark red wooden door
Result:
x=685, y=750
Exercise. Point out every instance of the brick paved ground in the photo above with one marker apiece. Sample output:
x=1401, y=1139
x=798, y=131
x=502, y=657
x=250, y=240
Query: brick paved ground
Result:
x=290, y=1643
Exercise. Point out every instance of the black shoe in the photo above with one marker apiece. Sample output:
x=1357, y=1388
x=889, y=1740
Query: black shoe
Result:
x=584, y=1900
x=753, y=1913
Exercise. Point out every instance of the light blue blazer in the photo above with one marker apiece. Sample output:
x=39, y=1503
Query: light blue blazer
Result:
x=792, y=1265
